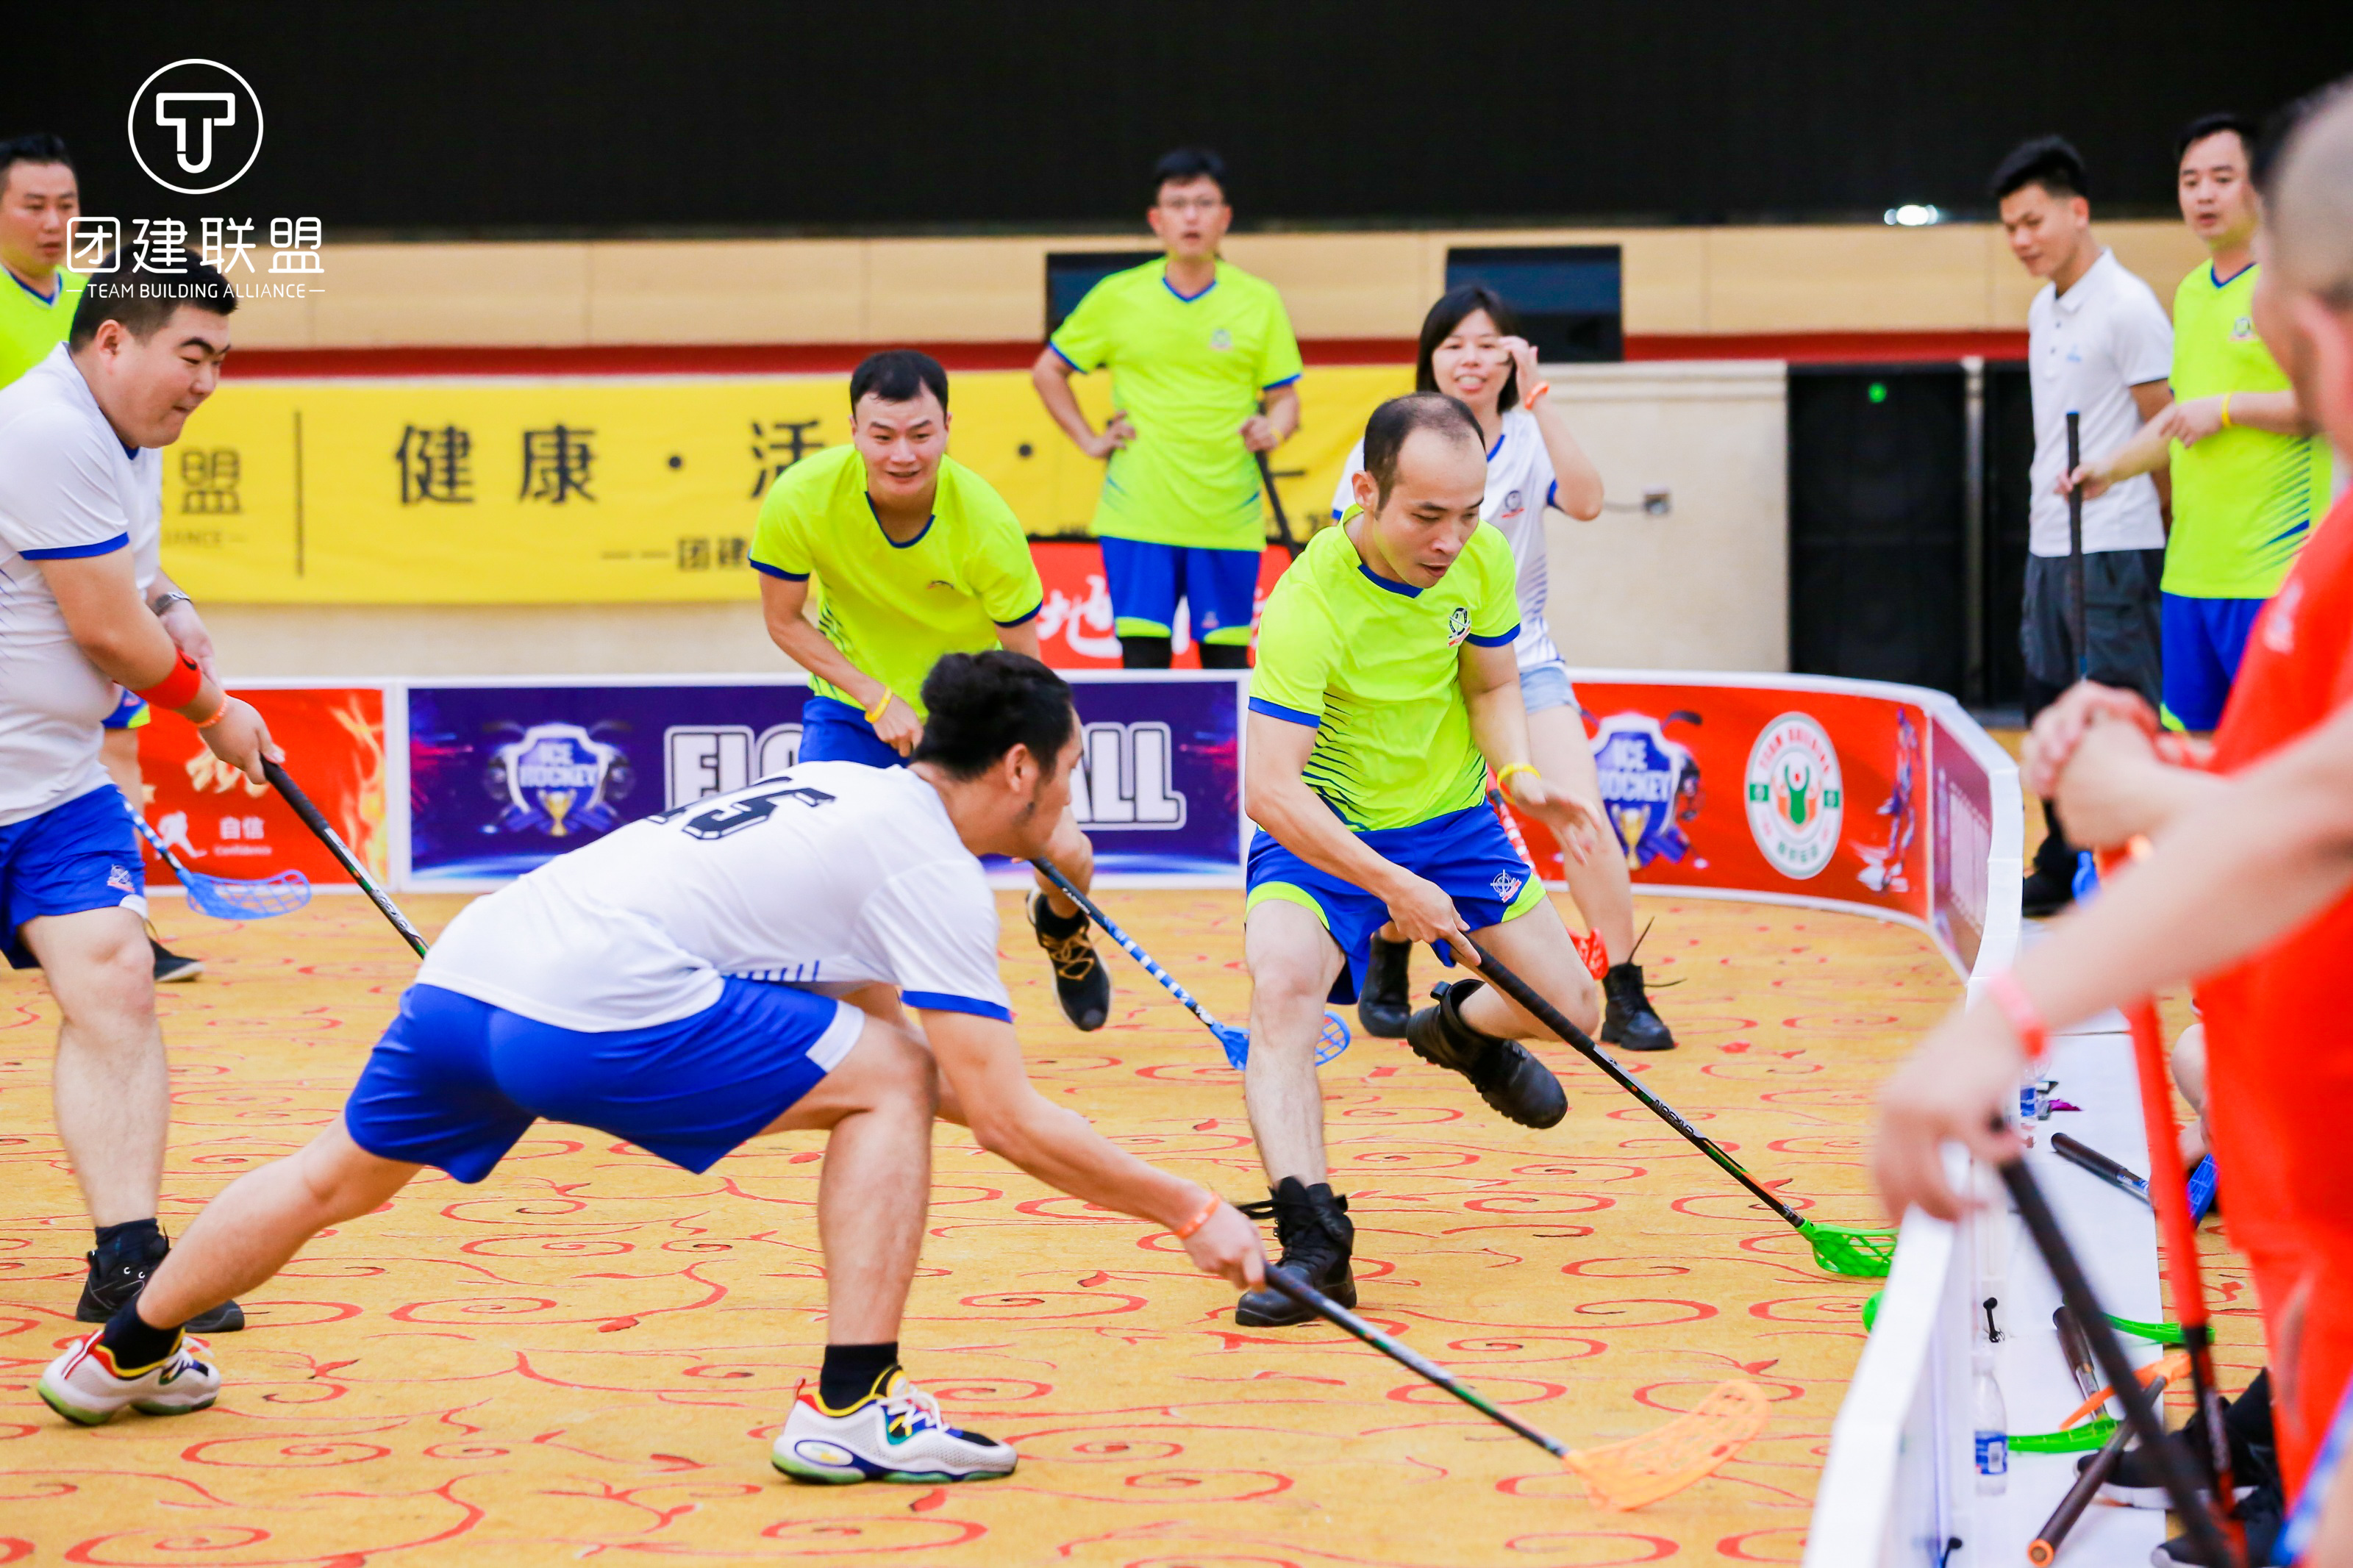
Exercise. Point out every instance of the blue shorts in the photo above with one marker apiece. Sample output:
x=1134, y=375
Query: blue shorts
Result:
x=834, y=731
x=1465, y=852
x=455, y=1082
x=1220, y=588
x=2204, y=639
x=79, y=856
x=1546, y=685
x=129, y=714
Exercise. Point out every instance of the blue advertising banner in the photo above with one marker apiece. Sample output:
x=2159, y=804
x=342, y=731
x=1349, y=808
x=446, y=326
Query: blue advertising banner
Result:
x=505, y=777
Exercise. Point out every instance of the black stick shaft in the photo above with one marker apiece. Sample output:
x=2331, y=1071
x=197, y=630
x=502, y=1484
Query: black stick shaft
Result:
x=1553, y=1019
x=2053, y=1533
x=1316, y=1301
x=2075, y=545
x=1274, y=496
x=316, y=821
x=2173, y=1466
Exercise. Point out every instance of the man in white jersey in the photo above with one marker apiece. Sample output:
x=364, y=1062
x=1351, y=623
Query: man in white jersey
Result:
x=79, y=463
x=681, y=985
x=1470, y=348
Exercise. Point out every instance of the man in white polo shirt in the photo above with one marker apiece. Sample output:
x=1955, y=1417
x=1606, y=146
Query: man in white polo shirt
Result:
x=2098, y=345
x=79, y=459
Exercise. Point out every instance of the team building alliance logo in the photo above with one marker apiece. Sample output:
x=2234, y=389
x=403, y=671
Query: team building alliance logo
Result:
x=559, y=780
x=1797, y=800
x=195, y=127
x=1649, y=786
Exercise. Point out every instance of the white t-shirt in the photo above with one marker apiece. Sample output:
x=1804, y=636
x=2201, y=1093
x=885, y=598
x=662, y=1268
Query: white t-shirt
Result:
x=2086, y=350
x=67, y=490
x=1520, y=486
x=828, y=876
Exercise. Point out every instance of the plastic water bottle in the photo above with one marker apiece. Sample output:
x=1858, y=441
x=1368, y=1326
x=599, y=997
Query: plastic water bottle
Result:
x=1992, y=1424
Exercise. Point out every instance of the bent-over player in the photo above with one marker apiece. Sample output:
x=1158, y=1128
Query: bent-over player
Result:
x=913, y=556
x=676, y=984
x=1386, y=685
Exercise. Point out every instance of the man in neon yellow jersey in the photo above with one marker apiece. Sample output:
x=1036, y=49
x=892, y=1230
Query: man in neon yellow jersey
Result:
x=1194, y=346
x=914, y=557
x=1386, y=688
x=2249, y=476
x=38, y=201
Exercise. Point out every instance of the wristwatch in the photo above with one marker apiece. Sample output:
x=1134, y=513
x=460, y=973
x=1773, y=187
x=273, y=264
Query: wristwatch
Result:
x=166, y=601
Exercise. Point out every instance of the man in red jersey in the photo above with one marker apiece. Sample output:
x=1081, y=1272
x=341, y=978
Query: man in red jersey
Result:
x=2248, y=889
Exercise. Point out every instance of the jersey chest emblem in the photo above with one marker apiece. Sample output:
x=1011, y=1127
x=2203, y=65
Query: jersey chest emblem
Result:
x=1513, y=504
x=2242, y=331
x=1458, y=625
x=1221, y=339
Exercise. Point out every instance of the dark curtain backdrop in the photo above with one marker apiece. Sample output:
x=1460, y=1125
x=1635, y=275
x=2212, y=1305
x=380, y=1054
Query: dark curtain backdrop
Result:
x=632, y=117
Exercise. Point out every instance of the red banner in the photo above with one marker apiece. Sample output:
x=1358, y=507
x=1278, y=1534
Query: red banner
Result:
x=1760, y=788
x=220, y=823
x=1074, y=628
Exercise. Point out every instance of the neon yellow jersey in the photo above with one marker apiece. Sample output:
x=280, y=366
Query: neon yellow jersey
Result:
x=1187, y=373
x=2243, y=501
x=894, y=609
x=1374, y=666
x=30, y=326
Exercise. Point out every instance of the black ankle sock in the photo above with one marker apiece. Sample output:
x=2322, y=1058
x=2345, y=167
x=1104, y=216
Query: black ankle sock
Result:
x=1144, y=653
x=1225, y=656
x=1054, y=924
x=140, y=1234
x=852, y=1372
x=133, y=1341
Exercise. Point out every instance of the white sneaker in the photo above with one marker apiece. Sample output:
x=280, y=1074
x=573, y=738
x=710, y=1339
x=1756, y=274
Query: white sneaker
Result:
x=894, y=1435
x=83, y=1386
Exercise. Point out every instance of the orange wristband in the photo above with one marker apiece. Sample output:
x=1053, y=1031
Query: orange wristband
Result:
x=1541, y=389
x=178, y=688
x=2025, y=1018
x=1185, y=1232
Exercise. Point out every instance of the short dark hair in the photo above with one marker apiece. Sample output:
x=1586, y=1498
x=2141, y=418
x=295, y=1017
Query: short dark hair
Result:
x=142, y=299
x=1187, y=164
x=33, y=147
x=2243, y=126
x=1392, y=422
x=1448, y=313
x=2051, y=162
x=981, y=705
x=899, y=375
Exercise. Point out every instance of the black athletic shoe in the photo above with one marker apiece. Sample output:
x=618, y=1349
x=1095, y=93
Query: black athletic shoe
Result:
x=172, y=967
x=2246, y=1422
x=1317, y=1237
x=1082, y=984
x=2260, y=1516
x=2039, y=896
x=1631, y=1021
x=1381, y=1004
x=1514, y=1083
x=120, y=1275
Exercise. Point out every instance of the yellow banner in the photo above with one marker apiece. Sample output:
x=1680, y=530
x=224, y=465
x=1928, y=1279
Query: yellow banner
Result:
x=597, y=489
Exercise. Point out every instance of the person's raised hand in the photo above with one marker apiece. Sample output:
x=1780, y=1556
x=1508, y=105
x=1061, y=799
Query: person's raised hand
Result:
x=2058, y=728
x=1228, y=1246
x=1577, y=823
x=1523, y=361
x=1954, y=1088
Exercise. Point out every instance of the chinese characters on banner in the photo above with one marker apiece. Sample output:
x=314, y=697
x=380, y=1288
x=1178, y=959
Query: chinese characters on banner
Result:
x=604, y=489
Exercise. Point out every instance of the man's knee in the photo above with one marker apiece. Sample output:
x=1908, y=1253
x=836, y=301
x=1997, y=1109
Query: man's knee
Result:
x=895, y=1071
x=98, y=965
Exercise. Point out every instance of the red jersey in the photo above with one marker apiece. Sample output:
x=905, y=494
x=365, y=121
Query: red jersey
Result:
x=2279, y=1026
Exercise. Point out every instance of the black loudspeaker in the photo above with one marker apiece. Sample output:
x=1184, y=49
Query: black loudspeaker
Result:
x=1878, y=542
x=1569, y=298
x=1071, y=273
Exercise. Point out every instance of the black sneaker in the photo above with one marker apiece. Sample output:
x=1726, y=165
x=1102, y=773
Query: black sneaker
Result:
x=1381, y=1005
x=2039, y=897
x=1082, y=984
x=122, y=1275
x=2246, y=1422
x=1631, y=1021
x=173, y=967
x=1317, y=1239
x=1512, y=1083
x=2260, y=1516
